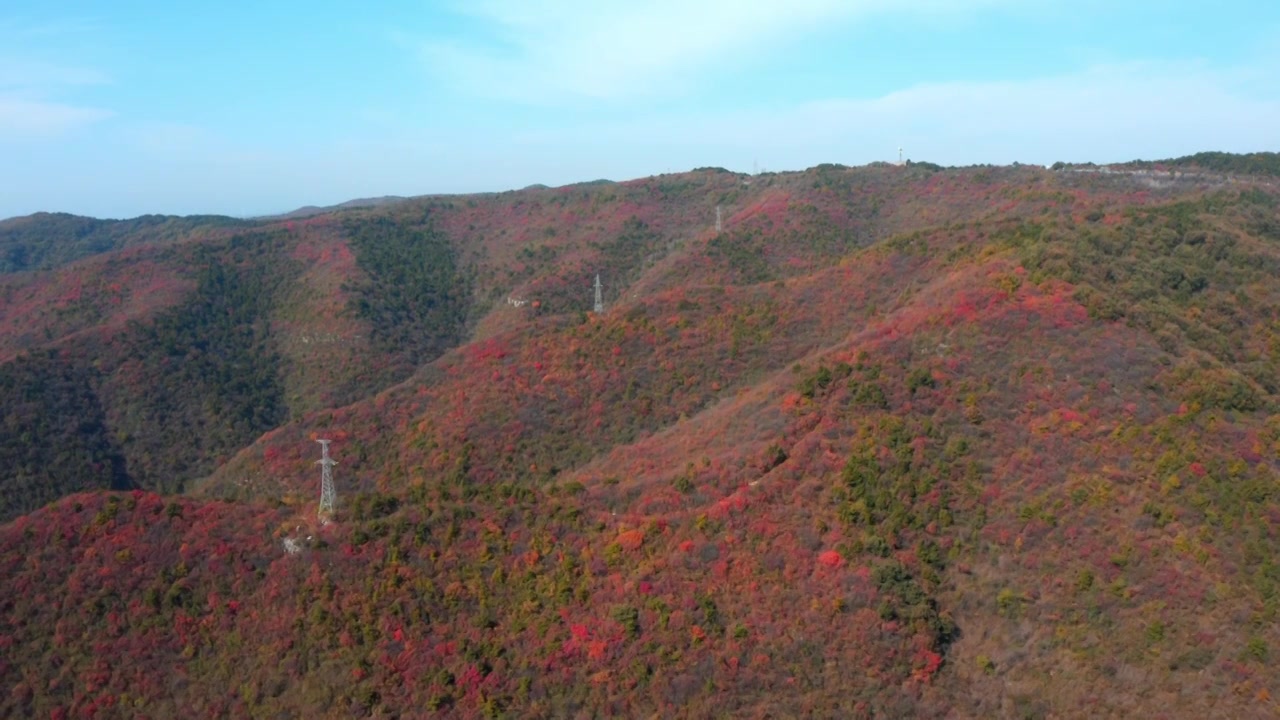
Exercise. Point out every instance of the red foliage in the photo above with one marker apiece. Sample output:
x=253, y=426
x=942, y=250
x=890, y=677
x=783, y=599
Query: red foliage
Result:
x=830, y=558
x=631, y=540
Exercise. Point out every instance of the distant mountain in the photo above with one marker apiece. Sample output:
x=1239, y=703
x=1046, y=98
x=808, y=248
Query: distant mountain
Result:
x=311, y=210
x=895, y=441
x=1259, y=165
x=48, y=240
x=1263, y=163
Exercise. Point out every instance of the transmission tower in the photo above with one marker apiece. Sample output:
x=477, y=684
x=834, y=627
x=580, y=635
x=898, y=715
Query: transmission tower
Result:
x=719, y=225
x=599, y=296
x=328, y=494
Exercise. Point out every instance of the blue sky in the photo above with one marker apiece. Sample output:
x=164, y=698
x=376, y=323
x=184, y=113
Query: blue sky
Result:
x=120, y=108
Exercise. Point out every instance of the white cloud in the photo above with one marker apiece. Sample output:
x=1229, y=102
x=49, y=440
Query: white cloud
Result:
x=28, y=108
x=159, y=140
x=27, y=119
x=34, y=74
x=612, y=49
x=1103, y=113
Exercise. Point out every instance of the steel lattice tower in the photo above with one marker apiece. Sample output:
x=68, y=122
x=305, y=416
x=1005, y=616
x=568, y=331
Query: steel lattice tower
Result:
x=328, y=494
x=599, y=296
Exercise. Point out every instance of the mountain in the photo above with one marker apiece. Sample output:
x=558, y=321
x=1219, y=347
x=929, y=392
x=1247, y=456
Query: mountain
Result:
x=1257, y=164
x=896, y=441
x=50, y=240
x=309, y=210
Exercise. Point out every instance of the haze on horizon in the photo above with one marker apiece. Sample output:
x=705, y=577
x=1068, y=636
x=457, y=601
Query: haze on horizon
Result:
x=121, y=109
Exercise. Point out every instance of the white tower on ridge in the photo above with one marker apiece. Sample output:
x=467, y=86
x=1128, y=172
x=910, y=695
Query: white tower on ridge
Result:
x=719, y=225
x=599, y=296
x=328, y=494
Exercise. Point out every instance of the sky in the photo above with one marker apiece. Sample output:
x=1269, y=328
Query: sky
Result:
x=116, y=109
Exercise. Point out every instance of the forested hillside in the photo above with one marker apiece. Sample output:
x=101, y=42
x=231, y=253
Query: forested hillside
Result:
x=50, y=240
x=1257, y=164
x=895, y=441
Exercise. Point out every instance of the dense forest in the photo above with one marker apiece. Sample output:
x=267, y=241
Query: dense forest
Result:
x=1263, y=163
x=49, y=240
x=53, y=436
x=200, y=380
x=414, y=295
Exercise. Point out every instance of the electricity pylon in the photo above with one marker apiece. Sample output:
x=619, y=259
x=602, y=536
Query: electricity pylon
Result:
x=328, y=494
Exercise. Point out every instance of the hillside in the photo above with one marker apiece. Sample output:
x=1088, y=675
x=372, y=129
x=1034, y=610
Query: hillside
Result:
x=50, y=240
x=1255, y=164
x=898, y=441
